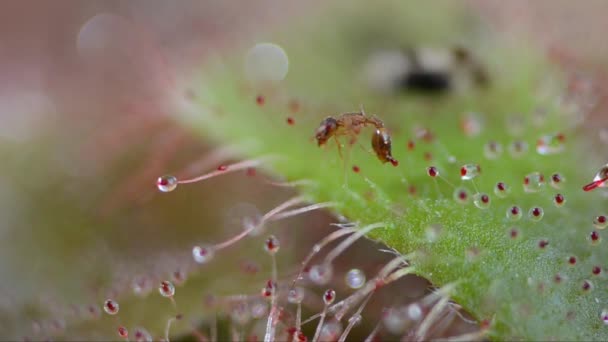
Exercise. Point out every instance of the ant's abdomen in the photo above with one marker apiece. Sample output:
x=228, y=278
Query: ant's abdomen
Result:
x=381, y=143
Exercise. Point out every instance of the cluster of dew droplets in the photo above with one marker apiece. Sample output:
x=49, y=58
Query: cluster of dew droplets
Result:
x=322, y=273
x=111, y=307
x=469, y=172
x=534, y=184
x=331, y=319
x=271, y=246
x=204, y=253
x=269, y=62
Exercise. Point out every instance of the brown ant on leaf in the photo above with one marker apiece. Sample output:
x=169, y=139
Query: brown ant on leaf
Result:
x=350, y=124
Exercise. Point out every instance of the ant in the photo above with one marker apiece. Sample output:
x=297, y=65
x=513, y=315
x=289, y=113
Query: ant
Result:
x=350, y=124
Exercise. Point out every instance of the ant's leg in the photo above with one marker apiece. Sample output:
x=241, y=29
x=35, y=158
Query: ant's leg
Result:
x=339, y=147
x=346, y=160
x=354, y=134
x=366, y=149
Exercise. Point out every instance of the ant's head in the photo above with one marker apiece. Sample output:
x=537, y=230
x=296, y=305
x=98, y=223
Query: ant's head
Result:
x=326, y=129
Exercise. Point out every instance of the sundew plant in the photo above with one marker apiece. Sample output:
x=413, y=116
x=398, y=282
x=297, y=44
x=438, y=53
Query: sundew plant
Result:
x=461, y=151
x=487, y=197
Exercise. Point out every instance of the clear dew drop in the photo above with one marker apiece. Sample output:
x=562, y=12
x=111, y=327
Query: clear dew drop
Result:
x=142, y=335
x=111, y=307
x=461, y=195
x=414, y=312
x=514, y=213
x=355, y=278
x=594, y=238
x=492, y=150
x=320, y=274
x=295, y=295
x=600, y=222
x=518, y=148
x=202, y=254
x=536, y=214
x=557, y=180
x=123, y=332
x=604, y=316
x=166, y=183
x=587, y=286
x=550, y=144
x=534, y=182
x=106, y=32
x=502, y=190
x=166, y=288
x=481, y=200
x=272, y=245
x=329, y=296
x=266, y=62
x=559, y=200
x=269, y=289
x=469, y=171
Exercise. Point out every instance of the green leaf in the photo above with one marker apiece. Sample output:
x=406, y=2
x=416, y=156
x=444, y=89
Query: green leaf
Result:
x=507, y=281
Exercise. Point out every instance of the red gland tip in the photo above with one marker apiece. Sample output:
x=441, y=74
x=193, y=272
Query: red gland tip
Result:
x=594, y=184
x=260, y=100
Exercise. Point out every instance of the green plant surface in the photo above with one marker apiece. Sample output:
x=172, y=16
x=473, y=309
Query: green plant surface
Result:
x=507, y=281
